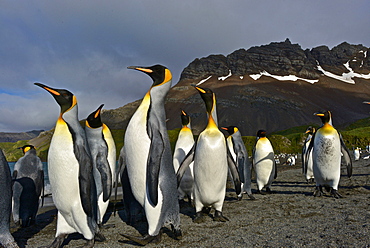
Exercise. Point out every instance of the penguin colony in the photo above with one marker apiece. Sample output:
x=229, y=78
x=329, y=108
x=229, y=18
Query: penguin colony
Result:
x=82, y=167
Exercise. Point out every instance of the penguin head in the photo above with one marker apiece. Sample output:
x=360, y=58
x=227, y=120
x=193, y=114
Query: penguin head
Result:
x=158, y=73
x=64, y=98
x=230, y=129
x=325, y=116
x=185, y=118
x=261, y=133
x=310, y=130
x=94, y=119
x=208, y=97
x=26, y=148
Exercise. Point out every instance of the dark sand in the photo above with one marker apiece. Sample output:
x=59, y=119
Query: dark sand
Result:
x=290, y=217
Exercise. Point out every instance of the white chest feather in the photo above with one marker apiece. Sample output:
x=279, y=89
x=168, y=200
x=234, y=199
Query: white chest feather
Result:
x=210, y=161
x=326, y=150
x=63, y=168
x=184, y=143
x=137, y=144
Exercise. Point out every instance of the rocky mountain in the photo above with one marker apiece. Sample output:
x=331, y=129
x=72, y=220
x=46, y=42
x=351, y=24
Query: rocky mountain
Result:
x=272, y=87
x=282, y=58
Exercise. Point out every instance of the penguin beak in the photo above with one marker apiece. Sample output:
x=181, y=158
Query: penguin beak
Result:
x=224, y=128
x=146, y=70
x=52, y=91
x=318, y=114
x=200, y=89
x=98, y=111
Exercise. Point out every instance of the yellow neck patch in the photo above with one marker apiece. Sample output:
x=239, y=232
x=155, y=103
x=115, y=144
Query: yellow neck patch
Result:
x=211, y=123
x=167, y=75
x=26, y=149
x=327, y=128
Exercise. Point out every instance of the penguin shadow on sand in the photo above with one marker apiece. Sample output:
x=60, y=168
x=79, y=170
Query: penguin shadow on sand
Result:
x=187, y=208
x=22, y=235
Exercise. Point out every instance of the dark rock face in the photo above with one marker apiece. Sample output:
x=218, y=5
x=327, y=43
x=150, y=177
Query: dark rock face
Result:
x=268, y=103
x=212, y=65
x=281, y=58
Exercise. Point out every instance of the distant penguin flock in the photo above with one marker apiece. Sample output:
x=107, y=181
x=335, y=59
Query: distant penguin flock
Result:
x=83, y=169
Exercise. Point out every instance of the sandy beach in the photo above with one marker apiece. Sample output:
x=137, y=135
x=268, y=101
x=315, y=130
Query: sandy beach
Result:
x=290, y=217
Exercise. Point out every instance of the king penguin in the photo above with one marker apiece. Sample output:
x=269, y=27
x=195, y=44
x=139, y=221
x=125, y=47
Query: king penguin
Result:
x=71, y=173
x=148, y=158
x=264, y=162
x=240, y=155
x=211, y=160
x=356, y=153
x=6, y=238
x=328, y=146
x=184, y=143
x=28, y=177
x=307, y=166
x=103, y=153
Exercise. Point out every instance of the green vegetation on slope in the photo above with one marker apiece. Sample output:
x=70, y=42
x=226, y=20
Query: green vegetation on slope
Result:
x=286, y=141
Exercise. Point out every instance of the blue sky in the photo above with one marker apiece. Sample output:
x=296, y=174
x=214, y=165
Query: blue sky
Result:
x=85, y=46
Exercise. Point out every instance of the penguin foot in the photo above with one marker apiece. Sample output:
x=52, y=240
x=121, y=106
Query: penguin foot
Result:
x=199, y=217
x=251, y=196
x=219, y=217
x=261, y=192
x=206, y=211
x=311, y=180
x=99, y=237
x=58, y=241
x=240, y=196
x=146, y=239
x=335, y=193
x=268, y=190
x=318, y=191
x=176, y=232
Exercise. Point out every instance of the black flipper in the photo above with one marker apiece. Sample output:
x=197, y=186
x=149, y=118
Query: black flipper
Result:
x=240, y=160
x=234, y=172
x=15, y=174
x=85, y=175
x=43, y=187
x=85, y=179
x=154, y=163
x=103, y=167
x=121, y=167
x=346, y=156
x=304, y=167
x=185, y=163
